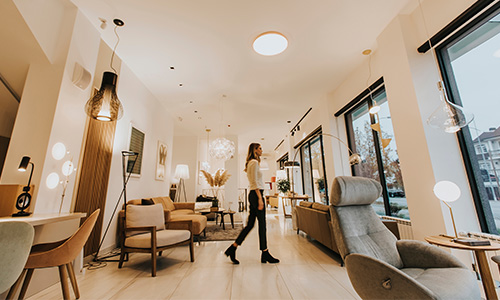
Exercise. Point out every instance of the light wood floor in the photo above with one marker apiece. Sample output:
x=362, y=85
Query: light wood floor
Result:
x=307, y=271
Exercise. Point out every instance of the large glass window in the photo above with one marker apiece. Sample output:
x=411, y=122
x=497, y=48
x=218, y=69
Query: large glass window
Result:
x=313, y=169
x=471, y=61
x=372, y=136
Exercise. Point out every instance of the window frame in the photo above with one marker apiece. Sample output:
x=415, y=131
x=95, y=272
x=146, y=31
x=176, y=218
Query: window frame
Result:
x=466, y=144
x=368, y=100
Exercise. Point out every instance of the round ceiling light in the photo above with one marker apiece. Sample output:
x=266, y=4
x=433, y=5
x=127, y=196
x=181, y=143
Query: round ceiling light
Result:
x=270, y=43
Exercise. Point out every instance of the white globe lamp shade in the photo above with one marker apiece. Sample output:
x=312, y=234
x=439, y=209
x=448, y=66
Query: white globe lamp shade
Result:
x=447, y=191
x=58, y=151
x=67, y=168
x=52, y=180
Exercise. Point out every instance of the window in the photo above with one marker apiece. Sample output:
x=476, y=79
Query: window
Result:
x=372, y=136
x=470, y=61
x=313, y=168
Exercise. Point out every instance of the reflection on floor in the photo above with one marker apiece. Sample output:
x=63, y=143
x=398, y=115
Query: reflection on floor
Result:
x=307, y=270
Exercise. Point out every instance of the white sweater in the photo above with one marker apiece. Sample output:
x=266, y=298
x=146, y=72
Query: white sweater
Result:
x=254, y=175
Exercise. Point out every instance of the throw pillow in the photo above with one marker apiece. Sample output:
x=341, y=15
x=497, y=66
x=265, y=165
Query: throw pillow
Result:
x=321, y=207
x=167, y=203
x=305, y=204
x=147, y=202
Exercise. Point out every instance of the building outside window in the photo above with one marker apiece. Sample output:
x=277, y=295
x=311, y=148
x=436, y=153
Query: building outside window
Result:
x=372, y=136
x=470, y=61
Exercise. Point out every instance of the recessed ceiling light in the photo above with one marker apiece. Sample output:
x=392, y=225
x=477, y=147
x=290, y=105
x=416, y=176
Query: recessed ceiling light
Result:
x=270, y=43
x=180, y=84
x=172, y=68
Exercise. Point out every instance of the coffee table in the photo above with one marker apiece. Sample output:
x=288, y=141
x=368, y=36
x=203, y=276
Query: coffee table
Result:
x=222, y=212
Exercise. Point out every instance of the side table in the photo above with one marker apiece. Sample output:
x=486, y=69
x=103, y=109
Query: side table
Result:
x=482, y=261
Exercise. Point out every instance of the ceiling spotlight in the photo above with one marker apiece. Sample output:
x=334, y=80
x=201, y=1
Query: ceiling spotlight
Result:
x=103, y=23
x=195, y=111
x=270, y=43
x=289, y=122
x=180, y=84
x=293, y=133
x=172, y=68
x=298, y=127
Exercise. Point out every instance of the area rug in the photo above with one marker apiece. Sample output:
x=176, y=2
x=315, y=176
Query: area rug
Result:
x=216, y=233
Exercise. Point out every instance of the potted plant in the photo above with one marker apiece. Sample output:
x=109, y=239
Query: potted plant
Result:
x=283, y=185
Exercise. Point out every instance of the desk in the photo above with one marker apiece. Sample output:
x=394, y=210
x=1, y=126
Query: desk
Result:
x=49, y=228
x=482, y=261
x=293, y=202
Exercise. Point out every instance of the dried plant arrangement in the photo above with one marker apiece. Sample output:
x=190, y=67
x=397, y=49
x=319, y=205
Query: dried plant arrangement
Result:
x=218, y=179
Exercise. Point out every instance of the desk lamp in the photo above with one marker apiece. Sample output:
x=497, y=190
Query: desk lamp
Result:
x=23, y=201
x=448, y=191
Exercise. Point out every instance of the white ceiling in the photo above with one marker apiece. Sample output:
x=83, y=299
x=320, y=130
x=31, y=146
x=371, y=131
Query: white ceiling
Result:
x=209, y=44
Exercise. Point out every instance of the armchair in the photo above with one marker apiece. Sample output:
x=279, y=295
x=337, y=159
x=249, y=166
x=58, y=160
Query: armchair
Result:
x=379, y=266
x=145, y=232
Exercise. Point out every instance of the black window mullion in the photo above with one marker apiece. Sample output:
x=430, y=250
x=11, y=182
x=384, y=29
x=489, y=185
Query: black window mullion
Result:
x=380, y=162
x=324, y=170
x=311, y=170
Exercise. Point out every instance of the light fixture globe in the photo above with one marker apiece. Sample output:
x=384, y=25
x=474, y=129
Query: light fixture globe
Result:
x=447, y=191
x=270, y=43
x=58, y=151
x=105, y=106
x=222, y=149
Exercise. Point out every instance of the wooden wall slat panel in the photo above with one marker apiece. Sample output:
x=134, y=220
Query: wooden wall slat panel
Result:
x=94, y=177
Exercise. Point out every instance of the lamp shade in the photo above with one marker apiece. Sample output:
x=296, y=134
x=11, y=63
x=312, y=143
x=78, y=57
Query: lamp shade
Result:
x=105, y=106
x=447, y=191
x=24, y=164
x=182, y=172
x=264, y=165
x=281, y=174
x=292, y=164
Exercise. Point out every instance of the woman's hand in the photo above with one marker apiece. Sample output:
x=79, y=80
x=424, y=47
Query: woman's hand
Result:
x=261, y=204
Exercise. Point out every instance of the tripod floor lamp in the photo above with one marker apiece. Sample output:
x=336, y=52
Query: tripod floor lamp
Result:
x=181, y=173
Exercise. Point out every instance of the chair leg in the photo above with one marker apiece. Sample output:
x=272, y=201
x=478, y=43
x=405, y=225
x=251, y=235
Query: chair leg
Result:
x=15, y=286
x=191, y=249
x=26, y=282
x=122, y=257
x=72, y=278
x=153, y=263
x=63, y=274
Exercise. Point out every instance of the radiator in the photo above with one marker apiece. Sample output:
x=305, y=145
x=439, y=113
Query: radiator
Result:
x=494, y=239
x=404, y=227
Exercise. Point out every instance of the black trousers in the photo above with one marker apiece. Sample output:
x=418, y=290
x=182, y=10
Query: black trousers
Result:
x=255, y=214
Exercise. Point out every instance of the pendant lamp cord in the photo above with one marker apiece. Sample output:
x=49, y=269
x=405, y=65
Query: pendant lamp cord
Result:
x=114, y=49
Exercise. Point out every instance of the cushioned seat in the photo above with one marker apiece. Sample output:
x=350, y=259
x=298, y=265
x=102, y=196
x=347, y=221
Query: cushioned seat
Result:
x=379, y=266
x=199, y=222
x=163, y=238
x=182, y=212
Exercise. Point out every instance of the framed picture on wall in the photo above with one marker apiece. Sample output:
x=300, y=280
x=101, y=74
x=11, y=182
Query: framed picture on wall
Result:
x=136, y=144
x=161, y=161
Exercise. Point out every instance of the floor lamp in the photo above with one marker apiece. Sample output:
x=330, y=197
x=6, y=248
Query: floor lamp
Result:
x=181, y=173
x=125, y=159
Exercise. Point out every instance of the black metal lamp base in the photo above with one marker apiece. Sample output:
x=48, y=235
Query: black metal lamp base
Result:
x=21, y=214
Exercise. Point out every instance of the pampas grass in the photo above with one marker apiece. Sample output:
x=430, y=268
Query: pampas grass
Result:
x=218, y=179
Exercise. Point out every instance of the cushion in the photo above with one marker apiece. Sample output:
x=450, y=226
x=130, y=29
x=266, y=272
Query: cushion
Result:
x=147, y=202
x=306, y=203
x=199, y=222
x=183, y=212
x=320, y=206
x=167, y=203
x=144, y=215
x=163, y=238
x=348, y=190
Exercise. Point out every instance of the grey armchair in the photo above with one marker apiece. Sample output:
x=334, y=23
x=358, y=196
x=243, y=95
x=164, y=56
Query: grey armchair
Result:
x=379, y=266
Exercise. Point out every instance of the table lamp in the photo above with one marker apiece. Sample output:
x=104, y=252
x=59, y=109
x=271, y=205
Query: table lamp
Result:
x=24, y=199
x=447, y=192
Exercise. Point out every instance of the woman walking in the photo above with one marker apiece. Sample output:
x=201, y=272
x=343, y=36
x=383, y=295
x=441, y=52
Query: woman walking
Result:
x=257, y=209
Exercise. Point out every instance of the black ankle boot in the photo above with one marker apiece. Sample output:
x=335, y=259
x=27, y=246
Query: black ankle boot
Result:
x=267, y=257
x=231, y=252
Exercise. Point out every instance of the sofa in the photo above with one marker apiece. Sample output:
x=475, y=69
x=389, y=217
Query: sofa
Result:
x=174, y=211
x=314, y=220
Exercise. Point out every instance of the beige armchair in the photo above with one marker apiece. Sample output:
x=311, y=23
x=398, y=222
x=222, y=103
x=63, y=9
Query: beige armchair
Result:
x=145, y=232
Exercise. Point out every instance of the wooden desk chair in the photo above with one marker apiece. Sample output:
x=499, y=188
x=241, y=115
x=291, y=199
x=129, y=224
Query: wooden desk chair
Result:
x=145, y=233
x=58, y=254
x=17, y=238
